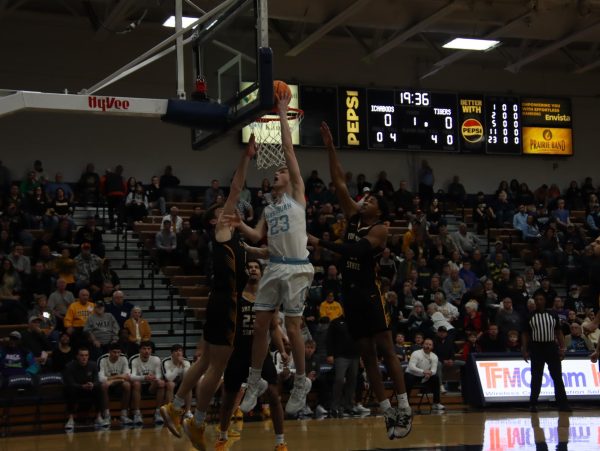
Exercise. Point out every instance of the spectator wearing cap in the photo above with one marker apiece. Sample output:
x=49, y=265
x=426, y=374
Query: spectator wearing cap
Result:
x=62, y=353
x=138, y=328
x=119, y=308
x=86, y=263
x=90, y=233
x=318, y=195
x=35, y=341
x=576, y=341
x=15, y=360
x=102, y=328
x=48, y=320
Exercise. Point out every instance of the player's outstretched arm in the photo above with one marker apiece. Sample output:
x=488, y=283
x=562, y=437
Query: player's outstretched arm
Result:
x=222, y=230
x=347, y=204
x=296, y=180
x=252, y=234
x=375, y=239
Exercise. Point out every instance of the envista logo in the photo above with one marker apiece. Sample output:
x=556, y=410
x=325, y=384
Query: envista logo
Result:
x=107, y=103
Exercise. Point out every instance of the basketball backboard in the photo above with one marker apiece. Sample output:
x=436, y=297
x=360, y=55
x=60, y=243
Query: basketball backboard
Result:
x=232, y=55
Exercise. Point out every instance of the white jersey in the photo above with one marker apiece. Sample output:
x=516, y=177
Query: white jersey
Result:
x=141, y=369
x=108, y=368
x=173, y=372
x=286, y=224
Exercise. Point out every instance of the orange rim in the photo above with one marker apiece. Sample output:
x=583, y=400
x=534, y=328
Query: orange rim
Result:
x=292, y=114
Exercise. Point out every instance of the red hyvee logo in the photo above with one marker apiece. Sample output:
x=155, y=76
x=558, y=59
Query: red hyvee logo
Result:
x=107, y=103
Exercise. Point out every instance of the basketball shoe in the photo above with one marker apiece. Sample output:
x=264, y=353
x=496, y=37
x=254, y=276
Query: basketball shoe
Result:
x=172, y=416
x=253, y=391
x=195, y=433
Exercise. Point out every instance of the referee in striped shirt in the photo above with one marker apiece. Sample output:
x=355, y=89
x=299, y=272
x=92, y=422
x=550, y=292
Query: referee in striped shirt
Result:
x=541, y=334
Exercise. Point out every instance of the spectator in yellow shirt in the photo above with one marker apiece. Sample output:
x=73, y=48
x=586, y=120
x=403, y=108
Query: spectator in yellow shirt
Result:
x=330, y=307
x=77, y=315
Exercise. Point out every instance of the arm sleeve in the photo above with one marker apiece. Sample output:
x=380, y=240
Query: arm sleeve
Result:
x=412, y=366
x=170, y=371
x=434, y=363
x=101, y=370
x=360, y=249
x=68, y=320
x=135, y=373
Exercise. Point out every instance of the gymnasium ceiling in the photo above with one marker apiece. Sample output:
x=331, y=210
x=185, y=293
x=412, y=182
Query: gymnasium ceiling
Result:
x=551, y=35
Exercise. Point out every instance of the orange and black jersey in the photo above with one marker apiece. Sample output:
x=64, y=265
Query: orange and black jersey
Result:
x=360, y=271
x=229, y=267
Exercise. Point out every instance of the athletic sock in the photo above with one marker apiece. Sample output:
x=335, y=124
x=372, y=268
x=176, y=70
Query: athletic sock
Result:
x=279, y=439
x=385, y=405
x=223, y=435
x=199, y=417
x=254, y=376
x=402, y=401
x=107, y=413
x=299, y=379
x=124, y=412
x=178, y=402
x=137, y=412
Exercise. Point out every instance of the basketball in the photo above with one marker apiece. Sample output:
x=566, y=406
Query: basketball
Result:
x=279, y=89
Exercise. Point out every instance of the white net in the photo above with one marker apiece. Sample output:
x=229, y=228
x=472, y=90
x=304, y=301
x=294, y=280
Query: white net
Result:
x=267, y=131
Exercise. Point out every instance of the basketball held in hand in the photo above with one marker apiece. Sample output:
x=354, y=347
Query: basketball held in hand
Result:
x=280, y=88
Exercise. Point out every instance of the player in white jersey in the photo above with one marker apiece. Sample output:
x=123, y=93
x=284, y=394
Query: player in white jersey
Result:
x=288, y=275
x=114, y=375
x=146, y=374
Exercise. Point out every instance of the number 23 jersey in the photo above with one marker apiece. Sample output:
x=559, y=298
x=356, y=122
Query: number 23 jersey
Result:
x=286, y=224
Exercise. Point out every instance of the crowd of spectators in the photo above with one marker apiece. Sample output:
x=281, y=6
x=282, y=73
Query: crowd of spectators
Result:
x=449, y=292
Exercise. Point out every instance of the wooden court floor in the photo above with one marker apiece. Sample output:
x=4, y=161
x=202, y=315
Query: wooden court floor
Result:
x=489, y=431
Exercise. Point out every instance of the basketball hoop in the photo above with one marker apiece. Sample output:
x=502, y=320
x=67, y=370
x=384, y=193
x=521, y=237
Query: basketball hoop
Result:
x=267, y=132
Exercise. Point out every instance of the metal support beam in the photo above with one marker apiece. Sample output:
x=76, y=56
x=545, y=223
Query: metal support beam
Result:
x=277, y=28
x=516, y=66
x=587, y=67
x=134, y=65
x=358, y=39
x=328, y=26
x=114, y=19
x=411, y=31
x=460, y=54
x=179, y=50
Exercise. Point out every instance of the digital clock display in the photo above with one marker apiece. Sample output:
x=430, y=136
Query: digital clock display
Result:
x=503, y=125
x=413, y=120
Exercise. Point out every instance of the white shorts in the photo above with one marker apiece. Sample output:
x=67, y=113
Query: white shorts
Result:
x=284, y=284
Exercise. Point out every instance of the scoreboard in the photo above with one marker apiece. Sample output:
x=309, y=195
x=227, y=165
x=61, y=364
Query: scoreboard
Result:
x=421, y=120
x=412, y=120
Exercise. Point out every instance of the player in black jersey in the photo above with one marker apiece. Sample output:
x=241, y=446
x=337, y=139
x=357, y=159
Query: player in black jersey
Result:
x=238, y=367
x=364, y=305
x=229, y=279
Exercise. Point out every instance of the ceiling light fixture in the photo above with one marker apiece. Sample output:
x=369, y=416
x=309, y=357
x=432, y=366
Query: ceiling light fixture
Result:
x=185, y=21
x=471, y=44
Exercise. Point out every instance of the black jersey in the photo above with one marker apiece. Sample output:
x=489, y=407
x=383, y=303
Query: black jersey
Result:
x=228, y=281
x=246, y=317
x=229, y=267
x=360, y=272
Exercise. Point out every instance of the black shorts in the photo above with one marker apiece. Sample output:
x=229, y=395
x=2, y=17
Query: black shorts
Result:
x=115, y=389
x=221, y=315
x=366, y=312
x=238, y=367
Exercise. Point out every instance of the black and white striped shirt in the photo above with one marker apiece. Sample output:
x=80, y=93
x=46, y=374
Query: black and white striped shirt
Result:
x=542, y=325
